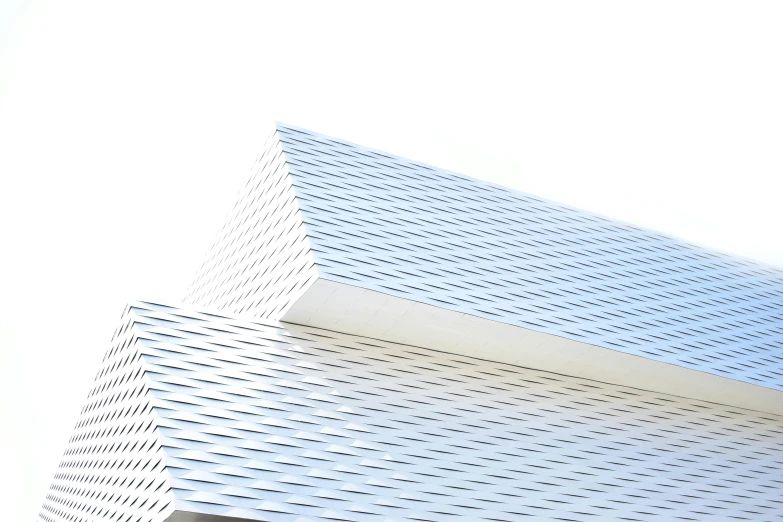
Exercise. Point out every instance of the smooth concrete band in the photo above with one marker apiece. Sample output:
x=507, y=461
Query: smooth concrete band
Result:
x=346, y=308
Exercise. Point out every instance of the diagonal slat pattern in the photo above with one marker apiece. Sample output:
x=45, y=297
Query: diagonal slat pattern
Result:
x=267, y=422
x=406, y=229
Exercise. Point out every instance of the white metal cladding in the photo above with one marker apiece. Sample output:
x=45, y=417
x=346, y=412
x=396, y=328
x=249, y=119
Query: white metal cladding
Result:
x=261, y=260
x=265, y=422
x=406, y=229
x=199, y=414
x=113, y=468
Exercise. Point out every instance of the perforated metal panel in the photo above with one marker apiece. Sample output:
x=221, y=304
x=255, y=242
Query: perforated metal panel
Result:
x=261, y=260
x=113, y=468
x=268, y=423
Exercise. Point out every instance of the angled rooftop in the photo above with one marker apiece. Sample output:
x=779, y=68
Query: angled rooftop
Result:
x=335, y=235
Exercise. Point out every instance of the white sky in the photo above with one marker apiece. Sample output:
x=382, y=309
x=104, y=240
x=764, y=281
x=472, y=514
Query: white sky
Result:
x=125, y=131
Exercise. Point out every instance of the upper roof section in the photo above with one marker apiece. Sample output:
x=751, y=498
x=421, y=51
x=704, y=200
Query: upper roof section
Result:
x=260, y=262
x=331, y=210
x=201, y=416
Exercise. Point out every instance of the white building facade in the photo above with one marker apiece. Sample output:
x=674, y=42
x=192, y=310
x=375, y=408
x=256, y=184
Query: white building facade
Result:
x=374, y=339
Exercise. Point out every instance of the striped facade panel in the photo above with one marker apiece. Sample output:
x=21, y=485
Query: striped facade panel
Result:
x=113, y=468
x=261, y=261
x=409, y=230
x=266, y=422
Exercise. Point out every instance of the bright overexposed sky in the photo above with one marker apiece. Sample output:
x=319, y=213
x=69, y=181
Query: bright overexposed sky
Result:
x=126, y=129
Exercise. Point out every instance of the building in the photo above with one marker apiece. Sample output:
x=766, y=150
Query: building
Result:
x=374, y=339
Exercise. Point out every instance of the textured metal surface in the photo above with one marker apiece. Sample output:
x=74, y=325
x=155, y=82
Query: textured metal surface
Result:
x=399, y=227
x=113, y=468
x=200, y=415
x=262, y=422
x=261, y=260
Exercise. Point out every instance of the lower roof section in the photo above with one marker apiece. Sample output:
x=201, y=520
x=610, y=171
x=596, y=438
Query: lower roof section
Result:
x=346, y=308
x=202, y=416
